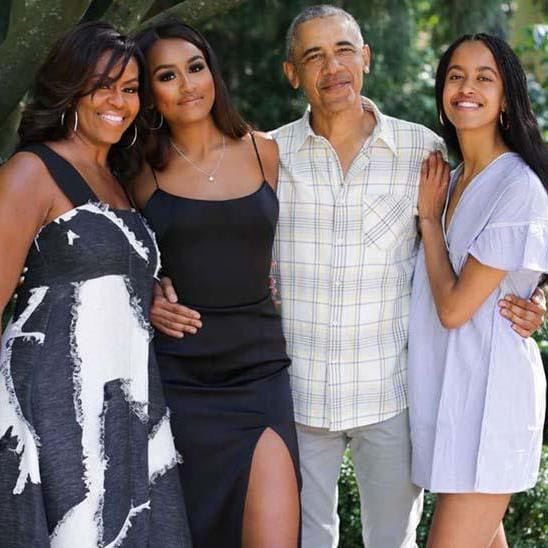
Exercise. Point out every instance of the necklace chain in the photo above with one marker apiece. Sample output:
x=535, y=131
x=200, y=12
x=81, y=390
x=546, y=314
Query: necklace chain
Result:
x=210, y=175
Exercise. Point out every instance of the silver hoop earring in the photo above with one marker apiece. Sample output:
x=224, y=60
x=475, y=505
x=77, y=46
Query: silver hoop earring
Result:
x=134, y=140
x=441, y=119
x=156, y=128
x=63, y=116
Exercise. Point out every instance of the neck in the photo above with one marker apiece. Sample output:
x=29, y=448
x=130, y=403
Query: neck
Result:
x=479, y=148
x=92, y=153
x=198, y=139
x=348, y=126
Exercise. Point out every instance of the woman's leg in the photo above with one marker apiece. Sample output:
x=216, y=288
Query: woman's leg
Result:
x=468, y=520
x=271, y=512
x=500, y=538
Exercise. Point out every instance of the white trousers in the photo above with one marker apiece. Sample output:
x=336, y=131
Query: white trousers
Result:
x=391, y=505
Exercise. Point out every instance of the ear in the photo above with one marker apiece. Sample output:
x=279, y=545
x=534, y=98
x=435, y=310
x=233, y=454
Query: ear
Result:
x=366, y=56
x=290, y=72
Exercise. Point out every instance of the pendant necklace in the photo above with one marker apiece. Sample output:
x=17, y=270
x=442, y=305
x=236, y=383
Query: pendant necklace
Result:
x=211, y=175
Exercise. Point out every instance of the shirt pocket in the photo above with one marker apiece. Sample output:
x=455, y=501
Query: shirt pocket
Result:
x=388, y=221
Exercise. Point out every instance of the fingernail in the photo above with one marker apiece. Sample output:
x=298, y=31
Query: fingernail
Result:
x=505, y=313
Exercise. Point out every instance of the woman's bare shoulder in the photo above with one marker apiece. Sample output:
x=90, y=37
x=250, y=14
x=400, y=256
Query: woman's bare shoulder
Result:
x=268, y=151
x=143, y=186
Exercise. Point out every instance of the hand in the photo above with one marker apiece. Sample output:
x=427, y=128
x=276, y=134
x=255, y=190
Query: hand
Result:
x=433, y=187
x=526, y=316
x=169, y=317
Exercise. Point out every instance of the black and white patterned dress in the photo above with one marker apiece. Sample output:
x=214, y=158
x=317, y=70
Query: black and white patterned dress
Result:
x=87, y=457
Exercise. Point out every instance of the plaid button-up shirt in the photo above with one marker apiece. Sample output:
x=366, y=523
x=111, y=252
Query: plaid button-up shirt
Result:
x=344, y=255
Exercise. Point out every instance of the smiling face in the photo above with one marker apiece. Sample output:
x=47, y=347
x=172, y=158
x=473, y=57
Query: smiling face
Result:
x=473, y=93
x=182, y=84
x=106, y=113
x=328, y=62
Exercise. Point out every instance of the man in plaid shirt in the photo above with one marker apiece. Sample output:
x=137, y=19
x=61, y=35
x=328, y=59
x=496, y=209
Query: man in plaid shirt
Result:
x=344, y=258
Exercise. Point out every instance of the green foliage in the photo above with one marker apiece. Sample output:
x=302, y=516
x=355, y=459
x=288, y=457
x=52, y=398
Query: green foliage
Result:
x=526, y=521
x=406, y=37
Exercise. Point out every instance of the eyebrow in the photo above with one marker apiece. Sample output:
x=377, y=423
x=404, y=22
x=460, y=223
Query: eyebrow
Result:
x=478, y=69
x=315, y=49
x=191, y=60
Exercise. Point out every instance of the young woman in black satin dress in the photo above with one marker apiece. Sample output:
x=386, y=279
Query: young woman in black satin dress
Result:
x=208, y=192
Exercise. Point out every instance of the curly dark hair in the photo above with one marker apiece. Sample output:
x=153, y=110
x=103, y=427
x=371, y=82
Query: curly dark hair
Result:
x=225, y=115
x=520, y=131
x=65, y=77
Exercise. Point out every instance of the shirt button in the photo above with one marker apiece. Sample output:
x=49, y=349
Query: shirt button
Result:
x=335, y=324
x=339, y=241
x=337, y=283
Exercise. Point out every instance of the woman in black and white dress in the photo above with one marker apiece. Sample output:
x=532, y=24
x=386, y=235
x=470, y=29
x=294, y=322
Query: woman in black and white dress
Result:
x=86, y=451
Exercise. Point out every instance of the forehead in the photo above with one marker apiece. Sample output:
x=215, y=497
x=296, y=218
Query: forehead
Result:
x=131, y=70
x=324, y=32
x=473, y=54
x=172, y=51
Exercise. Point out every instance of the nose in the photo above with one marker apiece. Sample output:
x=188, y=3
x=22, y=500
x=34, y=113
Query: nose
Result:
x=467, y=85
x=185, y=83
x=116, y=98
x=331, y=64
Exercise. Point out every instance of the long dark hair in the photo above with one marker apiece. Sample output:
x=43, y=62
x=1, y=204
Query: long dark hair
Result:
x=224, y=114
x=67, y=75
x=520, y=130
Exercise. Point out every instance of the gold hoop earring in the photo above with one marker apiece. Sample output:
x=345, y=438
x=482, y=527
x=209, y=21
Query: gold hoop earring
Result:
x=440, y=118
x=504, y=124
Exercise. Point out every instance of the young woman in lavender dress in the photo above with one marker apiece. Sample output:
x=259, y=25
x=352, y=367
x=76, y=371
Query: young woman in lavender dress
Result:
x=477, y=388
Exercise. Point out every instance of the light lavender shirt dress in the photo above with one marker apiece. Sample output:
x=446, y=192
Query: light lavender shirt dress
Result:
x=477, y=392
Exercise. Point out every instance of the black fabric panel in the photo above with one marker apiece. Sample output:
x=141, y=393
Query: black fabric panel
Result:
x=54, y=416
x=22, y=517
x=126, y=477
x=168, y=516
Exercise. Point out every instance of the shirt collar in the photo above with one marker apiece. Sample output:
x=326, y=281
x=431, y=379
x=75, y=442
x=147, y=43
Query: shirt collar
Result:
x=383, y=129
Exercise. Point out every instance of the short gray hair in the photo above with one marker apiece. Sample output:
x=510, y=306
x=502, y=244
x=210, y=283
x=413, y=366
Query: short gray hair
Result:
x=315, y=12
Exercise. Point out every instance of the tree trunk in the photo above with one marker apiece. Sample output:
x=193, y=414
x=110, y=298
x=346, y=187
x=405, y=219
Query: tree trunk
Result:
x=193, y=11
x=34, y=25
x=127, y=15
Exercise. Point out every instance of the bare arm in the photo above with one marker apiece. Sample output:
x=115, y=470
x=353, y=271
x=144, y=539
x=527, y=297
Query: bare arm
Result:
x=526, y=316
x=170, y=317
x=268, y=150
x=25, y=202
x=456, y=298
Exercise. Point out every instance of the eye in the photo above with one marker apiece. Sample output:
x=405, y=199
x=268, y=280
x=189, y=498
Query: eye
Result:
x=131, y=90
x=454, y=76
x=196, y=67
x=482, y=78
x=346, y=50
x=166, y=76
x=313, y=57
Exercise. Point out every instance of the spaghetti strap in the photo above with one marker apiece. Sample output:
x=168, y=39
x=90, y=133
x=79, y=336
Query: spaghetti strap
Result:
x=155, y=177
x=65, y=175
x=258, y=156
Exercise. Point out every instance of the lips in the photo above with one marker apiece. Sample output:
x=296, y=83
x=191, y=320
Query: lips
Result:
x=333, y=84
x=115, y=119
x=190, y=99
x=467, y=104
